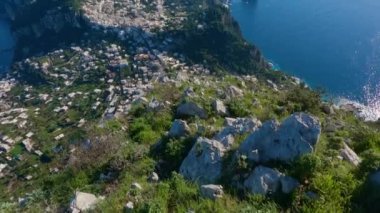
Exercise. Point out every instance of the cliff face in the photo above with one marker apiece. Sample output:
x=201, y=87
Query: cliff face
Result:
x=209, y=32
x=33, y=20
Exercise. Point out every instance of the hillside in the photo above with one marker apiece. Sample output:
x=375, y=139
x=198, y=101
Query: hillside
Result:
x=162, y=106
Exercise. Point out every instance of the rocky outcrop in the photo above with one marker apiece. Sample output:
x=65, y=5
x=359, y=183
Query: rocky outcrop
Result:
x=366, y=113
x=38, y=24
x=203, y=164
x=153, y=178
x=234, y=127
x=219, y=107
x=211, y=191
x=129, y=207
x=83, y=201
x=264, y=180
x=234, y=92
x=190, y=109
x=349, y=155
x=54, y=18
x=204, y=161
x=296, y=136
x=179, y=129
x=328, y=109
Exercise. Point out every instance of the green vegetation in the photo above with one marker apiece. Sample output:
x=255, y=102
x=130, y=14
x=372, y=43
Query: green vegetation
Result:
x=129, y=149
x=106, y=155
x=206, y=35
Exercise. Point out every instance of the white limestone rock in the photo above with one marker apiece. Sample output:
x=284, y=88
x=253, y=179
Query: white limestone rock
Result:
x=349, y=155
x=211, y=191
x=204, y=161
x=219, y=107
x=190, y=109
x=296, y=136
x=179, y=129
x=83, y=201
x=263, y=180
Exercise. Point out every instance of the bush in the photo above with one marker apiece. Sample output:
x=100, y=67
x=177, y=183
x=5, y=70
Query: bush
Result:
x=366, y=139
x=181, y=191
x=60, y=187
x=141, y=131
x=172, y=152
x=303, y=99
x=147, y=127
x=237, y=108
x=370, y=163
x=95, y=152
x=306, y=166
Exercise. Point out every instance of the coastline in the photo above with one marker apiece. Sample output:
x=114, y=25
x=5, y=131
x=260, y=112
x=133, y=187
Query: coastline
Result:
x=365, y=112
x=359, y=109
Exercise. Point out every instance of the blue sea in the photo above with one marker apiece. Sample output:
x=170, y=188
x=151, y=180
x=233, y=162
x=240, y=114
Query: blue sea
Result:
x=6, y=46
x=333, y=44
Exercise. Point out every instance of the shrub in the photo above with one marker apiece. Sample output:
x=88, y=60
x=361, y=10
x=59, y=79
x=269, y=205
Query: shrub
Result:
x=181, y=191
x=172, y=152
x=336, y=143
x=147, y=127
x=304, y=99
x=237, y=108
x=306, y=166
x=95, y=152
x=365, y=139
x=60, y=187
x=370, y=163
x=141, y=131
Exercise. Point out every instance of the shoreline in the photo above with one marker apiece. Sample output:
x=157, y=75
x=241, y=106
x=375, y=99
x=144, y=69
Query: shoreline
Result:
x=359, y=108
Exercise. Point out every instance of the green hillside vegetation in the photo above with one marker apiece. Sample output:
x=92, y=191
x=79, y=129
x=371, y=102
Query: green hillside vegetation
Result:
x=107, y=156
x=128, y=148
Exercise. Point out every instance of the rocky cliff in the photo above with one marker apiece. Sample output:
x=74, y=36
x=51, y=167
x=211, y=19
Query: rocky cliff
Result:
x=37, y=24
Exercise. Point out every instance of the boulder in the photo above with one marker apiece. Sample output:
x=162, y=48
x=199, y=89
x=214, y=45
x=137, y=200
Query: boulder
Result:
x=182, y=76
x=179, y=129
x=189, y=92
x=296, y=136
x=211, y=191
x=155, y=105
x=153, y=177
x=190, y=109
x=233, y=127
x=136, y=186
x=204, y=161
x=328, y=109
x=83, y=201
x=129, y=207
x=263, y=180
x=349, y=155
x=219, y=107
x=233, y=91
x=238, y=126
x=22, y=201
x=331, y=125
x=227, y=141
